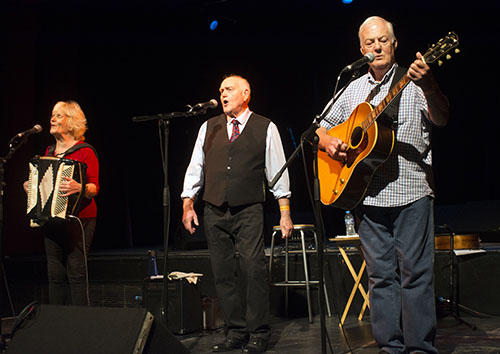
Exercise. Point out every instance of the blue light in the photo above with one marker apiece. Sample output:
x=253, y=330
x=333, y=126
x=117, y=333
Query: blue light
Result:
x=213, y=25
x=346, y=1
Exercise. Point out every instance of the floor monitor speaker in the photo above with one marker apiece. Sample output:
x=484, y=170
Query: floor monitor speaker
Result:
x=52, y=329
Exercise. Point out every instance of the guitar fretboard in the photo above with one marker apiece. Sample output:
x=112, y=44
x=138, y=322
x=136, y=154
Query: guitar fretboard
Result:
x=377, y=111
x=435, y=52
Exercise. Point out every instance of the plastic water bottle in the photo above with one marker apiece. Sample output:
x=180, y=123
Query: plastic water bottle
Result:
x=349, y=224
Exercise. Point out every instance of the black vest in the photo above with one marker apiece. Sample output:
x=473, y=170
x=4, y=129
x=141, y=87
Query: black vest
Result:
x=234, y=172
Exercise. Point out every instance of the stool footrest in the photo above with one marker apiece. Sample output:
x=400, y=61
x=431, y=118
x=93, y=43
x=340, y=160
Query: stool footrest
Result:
x=298, y=245
x=282, y=253
x=295, y=283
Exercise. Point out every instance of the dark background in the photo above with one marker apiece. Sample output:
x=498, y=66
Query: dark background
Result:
x=125, y=58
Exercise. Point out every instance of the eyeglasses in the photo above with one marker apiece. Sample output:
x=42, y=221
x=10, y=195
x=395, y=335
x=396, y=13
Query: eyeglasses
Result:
x=57, y=116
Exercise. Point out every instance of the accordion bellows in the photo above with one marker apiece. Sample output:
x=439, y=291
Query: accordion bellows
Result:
x=44, y=197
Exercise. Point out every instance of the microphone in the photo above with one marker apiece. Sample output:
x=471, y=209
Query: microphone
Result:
x=35, y=130
x=204, y=105
x=368, y=58
x=199, y=108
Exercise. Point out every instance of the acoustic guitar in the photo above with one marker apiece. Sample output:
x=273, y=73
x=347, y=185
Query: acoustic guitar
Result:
x=344, y=183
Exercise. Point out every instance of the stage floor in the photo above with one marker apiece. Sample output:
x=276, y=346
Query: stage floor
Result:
x=298, y=336
x=118, y=278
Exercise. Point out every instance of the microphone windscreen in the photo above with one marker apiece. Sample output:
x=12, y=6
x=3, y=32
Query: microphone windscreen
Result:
x=214, y=102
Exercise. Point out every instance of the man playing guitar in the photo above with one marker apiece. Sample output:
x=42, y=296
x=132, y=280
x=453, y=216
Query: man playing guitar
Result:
x=396, y=205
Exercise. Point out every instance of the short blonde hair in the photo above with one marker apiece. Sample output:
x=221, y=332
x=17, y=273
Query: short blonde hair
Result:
x=77, y=123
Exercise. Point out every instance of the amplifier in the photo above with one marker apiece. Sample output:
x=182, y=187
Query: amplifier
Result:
x=184, y=310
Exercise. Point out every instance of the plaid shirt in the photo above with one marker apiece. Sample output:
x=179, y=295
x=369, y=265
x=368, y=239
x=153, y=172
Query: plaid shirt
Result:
x=406, y=176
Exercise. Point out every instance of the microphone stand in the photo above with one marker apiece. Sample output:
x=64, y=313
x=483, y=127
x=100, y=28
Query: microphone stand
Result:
x=3, y=160
x=452, y=302
x=164, y=123
x=310, y=136
x=311, y=131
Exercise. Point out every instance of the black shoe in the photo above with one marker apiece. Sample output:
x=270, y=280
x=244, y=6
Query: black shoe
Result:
x=255, y=345
x=228, y=345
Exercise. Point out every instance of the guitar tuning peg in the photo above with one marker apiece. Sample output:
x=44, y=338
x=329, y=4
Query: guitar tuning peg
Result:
x=448, y=57
x=440, y=62
x=457, y=51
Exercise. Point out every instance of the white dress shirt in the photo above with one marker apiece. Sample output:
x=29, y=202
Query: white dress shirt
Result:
x=274, y=159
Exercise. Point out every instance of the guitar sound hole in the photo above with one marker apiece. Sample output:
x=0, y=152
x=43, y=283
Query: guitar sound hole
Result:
x=356, y=136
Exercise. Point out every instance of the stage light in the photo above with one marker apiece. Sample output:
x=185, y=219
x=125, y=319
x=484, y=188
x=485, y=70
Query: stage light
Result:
x=346, y=1
x=213, y=25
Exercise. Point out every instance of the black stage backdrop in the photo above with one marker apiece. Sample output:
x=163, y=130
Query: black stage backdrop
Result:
x=125, y=58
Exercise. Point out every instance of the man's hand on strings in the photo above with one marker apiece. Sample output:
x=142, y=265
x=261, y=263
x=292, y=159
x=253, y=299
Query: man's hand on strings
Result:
x=333, y=146
x=336, y=149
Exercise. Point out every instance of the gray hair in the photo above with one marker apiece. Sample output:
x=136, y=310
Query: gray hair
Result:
x=390, y=28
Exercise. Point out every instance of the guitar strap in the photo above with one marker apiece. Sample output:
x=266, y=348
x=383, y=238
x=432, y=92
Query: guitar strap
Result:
x=72, y=149
x=390, y=115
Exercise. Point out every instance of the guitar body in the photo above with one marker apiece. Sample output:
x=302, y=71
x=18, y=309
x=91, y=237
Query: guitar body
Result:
x=344, y=183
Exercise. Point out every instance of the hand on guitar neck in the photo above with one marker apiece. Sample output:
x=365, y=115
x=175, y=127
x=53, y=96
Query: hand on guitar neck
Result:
x=333, y=146
x=420, y=73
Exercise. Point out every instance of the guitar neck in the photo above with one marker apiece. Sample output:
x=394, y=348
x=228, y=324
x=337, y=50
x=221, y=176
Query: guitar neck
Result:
x=393, y=93
x=433, y=54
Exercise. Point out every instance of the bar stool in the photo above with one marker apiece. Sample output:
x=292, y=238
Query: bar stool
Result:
x=301, y=233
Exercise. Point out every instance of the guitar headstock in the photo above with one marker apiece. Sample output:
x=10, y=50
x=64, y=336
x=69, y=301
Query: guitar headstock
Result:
x=442, y=48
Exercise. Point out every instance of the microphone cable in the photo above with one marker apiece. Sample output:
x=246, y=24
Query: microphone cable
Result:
x=84, y=247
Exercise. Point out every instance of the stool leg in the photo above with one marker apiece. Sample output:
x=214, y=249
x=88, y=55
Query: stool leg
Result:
x=286, y=276
x=363, y=309
x=271, y=254
x=328, y=311
x=306, y=274
x=327, y=301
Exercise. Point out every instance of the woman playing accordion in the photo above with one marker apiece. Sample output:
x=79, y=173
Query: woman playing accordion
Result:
x=65, y=234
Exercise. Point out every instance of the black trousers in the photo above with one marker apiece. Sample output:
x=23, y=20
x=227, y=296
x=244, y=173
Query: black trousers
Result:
x=65, y=260
x=231, y=229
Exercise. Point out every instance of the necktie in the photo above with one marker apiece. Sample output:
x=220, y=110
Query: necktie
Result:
x=236, y=131
x=374, y=92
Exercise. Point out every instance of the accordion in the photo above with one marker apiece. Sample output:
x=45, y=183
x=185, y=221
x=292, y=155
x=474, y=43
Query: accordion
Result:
x=44, y=198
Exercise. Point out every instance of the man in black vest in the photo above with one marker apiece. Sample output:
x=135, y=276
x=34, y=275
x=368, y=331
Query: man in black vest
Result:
x=234, y=154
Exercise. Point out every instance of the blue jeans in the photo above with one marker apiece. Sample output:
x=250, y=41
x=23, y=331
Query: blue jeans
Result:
x=398, y=245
